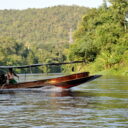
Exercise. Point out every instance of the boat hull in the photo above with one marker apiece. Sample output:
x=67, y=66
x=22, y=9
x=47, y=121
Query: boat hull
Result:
x=63, y=82
x=76, y=82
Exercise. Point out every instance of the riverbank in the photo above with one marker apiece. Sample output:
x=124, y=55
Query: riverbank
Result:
x=112, y=71
x=97, y=69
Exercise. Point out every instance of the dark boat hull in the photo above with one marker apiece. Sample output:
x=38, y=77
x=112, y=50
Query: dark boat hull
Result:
x=63, y=82
x=76, y=82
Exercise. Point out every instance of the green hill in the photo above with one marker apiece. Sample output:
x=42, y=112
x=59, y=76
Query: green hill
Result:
x=45, y=25
x=37, y=35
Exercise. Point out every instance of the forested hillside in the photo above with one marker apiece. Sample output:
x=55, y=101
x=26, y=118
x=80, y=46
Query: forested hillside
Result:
x=102, y=39
x=100, y=36
x=37, y=35
x=40, y=25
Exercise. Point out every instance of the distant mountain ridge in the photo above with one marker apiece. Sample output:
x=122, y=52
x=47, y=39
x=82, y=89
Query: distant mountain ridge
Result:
x=41, y=26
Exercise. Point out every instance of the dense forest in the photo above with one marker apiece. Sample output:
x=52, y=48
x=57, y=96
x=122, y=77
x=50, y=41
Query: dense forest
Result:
x=37, y=35
x=67, y=33
x=102, y=39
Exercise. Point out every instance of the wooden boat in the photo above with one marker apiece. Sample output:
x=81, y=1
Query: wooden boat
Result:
x=65, y=82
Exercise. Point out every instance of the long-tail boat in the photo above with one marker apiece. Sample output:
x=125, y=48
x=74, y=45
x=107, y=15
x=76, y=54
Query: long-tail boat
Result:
x=65, y=82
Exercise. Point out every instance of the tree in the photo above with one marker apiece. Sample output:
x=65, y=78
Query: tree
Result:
x=101, y=37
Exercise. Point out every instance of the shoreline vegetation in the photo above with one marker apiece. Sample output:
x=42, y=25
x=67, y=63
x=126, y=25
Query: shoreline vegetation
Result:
x=34, y=36
x=67, y=33
x=101, y=38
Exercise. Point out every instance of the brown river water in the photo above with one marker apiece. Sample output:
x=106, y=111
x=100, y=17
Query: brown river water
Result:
x=102, y=103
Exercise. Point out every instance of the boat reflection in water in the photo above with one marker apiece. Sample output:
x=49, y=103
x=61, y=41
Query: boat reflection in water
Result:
x=53, y=97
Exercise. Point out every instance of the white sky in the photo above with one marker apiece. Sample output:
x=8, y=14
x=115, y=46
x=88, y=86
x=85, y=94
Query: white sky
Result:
x=24, y=4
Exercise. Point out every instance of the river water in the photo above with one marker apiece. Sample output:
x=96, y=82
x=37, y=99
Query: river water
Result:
x=102, y=103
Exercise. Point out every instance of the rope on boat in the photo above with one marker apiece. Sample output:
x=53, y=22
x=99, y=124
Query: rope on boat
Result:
x=35, y=65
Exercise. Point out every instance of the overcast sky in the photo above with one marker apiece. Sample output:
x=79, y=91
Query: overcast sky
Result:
x=24, y=4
